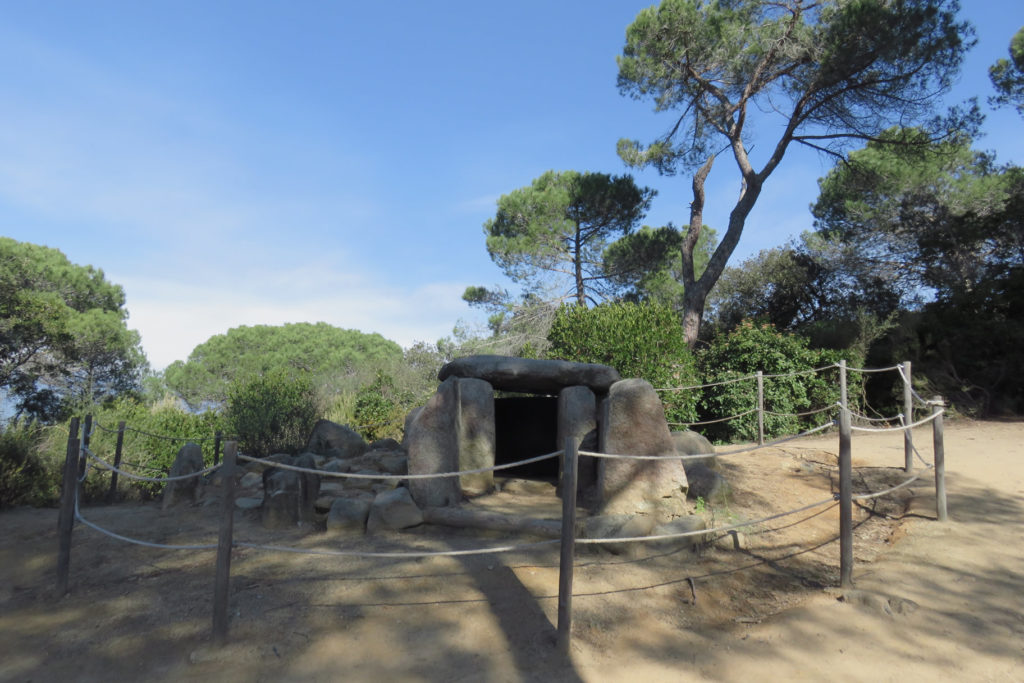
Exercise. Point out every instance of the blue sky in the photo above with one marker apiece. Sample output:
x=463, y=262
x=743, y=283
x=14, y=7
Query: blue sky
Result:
x=241, y=163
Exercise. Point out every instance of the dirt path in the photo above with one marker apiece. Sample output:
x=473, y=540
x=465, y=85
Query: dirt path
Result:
x=932, y=601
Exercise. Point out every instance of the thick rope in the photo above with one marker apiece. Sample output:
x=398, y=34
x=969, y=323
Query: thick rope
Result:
x=749, y=449
x=702, y=532
x=709, y=422
x=399, y=477
x=107, y=466
x=871, y=370
x=406, y=554
x=896, y=429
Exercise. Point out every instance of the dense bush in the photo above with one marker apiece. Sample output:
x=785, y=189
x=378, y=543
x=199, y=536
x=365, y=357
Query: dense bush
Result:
x=272, y=413
x=639, y=340
x=380, y=409
x=753, y=347
x=26, y=477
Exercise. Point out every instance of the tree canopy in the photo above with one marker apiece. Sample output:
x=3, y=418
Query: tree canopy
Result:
x=64, y=341
x=319, y=350
x=943, y=216
x=551, y=234
x=830, y=72
x=1007, y=76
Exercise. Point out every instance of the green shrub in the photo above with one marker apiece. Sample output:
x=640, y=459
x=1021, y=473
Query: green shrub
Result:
x=639, y=340
x=751, y=347
x=380, y=409
x=26, y=477
x=272, y=413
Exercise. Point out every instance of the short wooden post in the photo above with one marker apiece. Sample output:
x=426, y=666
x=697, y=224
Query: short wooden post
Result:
x=66, y=519
x=83, y=460
x=760, y=408
x=844, y=400
x=216, y=446
x=224, y=544
x=940, y=460
x=565, y=569
x=908, y=417
x=845, y=501
x=112, y=494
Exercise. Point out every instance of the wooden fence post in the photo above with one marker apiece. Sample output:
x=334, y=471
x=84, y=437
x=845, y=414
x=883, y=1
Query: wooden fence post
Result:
x=66, y=519
x=845, y=502
x=216, y=446
x=565, y=569
x=83, y=460
x=112, y=494
x=940, y=460
x=760, y=408
x=224, y=544
x=843, y=398
x=908, y=417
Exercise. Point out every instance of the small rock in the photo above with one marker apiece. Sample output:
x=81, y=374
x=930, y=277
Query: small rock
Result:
x=393, y=510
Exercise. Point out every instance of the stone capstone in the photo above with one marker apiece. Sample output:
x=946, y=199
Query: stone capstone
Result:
x=633, y=423
x=531, y=375
x=189, y=460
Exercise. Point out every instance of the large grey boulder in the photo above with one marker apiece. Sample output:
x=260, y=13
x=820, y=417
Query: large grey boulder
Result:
x=633, y=423
x=433, y=444
x=689, y=442
x=475, y=424
x=189, y=460
x=337, y=440
x=531, y=375
x=348, y=516
x=289, y=497
x=393, y=511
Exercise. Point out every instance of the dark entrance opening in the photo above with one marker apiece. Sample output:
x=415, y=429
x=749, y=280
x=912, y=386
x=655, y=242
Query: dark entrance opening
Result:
x=525, y=427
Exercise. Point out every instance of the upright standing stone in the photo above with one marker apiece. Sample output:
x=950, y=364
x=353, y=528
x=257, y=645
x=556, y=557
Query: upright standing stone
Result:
x=577, y=418
x=433, y=445
x=634, y=423
x=476, y=434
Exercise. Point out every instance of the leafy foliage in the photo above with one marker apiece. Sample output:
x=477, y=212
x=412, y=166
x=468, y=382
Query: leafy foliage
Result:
x=319, y=349
x=63, y=338
x=1008, y=76
x=26, y=478
x=558, y=227
x=639, y=340
x=381, y=407
x=273, y=412
x=753, y=347
x=832, y=72
x=647, y=264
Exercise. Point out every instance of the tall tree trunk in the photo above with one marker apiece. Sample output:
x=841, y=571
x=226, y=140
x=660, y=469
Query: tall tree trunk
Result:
x=581, y=294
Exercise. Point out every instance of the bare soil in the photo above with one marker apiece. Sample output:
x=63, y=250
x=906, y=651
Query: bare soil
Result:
x=932, y=601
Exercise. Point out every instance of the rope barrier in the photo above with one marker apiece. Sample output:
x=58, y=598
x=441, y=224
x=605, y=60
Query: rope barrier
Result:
x=708, y=422
x=872, y=370
x=898, y=417
x=920, y=399
x=884, y=492
x=702, y=532
x=797, y=373
x=135, y=541
x=805, y=414
x=712, y=384
x=399, y=477
x=770, y=444
x=903, y=428
x=405, y=554
x=107, y=466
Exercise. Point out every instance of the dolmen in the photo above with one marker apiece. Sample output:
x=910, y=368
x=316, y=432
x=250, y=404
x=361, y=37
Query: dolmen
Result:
x=600, y=411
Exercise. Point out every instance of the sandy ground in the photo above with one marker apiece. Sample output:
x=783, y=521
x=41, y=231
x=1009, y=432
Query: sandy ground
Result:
x=931, y=601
